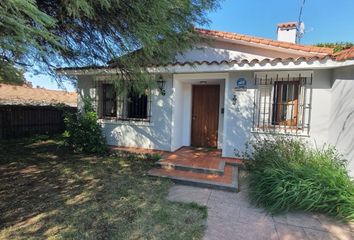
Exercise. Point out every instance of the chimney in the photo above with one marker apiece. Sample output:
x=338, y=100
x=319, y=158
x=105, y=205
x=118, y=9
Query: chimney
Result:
x=287, y=32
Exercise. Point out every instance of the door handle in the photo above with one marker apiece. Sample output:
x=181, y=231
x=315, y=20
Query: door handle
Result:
x=194, y=117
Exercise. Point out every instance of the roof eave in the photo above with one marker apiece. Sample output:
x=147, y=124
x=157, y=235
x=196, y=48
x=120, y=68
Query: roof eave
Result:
x=259, y=66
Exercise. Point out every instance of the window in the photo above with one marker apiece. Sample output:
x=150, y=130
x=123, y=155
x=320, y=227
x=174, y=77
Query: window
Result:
x=137, y=106
x=109, y=102
x=285, y=103
x=127, y=107
x=282, y=104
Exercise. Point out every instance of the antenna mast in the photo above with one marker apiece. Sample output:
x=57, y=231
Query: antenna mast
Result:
x=300, y=24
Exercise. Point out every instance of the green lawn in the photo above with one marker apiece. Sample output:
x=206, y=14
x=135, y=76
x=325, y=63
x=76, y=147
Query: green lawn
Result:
x=47, y=192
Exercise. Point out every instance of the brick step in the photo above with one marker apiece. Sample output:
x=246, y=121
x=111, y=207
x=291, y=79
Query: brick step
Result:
x=193, y=168
x=228, y=181
x=203, y=165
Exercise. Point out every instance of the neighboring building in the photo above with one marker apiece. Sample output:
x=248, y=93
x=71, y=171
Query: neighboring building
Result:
x=230, y=90
x=26, y=95
x=25, y=111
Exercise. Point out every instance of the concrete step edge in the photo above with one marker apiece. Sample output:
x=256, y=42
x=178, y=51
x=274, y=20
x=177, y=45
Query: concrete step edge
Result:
x=203, y=183
x=217, y=171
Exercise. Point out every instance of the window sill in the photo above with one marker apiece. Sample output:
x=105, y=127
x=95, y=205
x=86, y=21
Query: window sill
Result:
x=126, y=122
x=283, y=132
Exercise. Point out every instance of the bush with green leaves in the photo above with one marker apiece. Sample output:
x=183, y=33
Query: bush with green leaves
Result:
x=287, y=174
x=82, y=131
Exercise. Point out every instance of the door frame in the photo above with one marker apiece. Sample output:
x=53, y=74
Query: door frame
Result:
x=180, y=134
x=217, y=115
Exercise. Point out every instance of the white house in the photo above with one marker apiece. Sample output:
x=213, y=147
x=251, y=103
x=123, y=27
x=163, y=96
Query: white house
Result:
x=233, y=88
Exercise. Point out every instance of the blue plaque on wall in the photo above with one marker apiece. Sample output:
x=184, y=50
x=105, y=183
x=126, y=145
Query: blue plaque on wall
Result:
x=241, y=84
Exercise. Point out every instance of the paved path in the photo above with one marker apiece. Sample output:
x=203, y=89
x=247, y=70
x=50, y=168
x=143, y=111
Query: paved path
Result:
x=230, y=216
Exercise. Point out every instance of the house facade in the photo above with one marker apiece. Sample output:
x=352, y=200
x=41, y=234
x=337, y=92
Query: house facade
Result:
x=229, y=90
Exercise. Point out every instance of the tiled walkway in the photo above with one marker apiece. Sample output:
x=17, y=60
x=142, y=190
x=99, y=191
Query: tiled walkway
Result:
x=231, y=217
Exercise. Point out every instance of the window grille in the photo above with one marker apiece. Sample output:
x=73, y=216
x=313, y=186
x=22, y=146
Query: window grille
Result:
x=109, y=103
x=137, y=106
x=282, y=104
x=123, y=107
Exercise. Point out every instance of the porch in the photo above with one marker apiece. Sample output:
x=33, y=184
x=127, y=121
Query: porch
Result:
x=199, y=167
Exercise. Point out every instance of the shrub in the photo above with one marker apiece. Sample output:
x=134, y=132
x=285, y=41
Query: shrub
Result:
x=83, y=133
x=287, y=175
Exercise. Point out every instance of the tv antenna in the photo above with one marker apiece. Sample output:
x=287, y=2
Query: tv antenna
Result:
x=300, y=24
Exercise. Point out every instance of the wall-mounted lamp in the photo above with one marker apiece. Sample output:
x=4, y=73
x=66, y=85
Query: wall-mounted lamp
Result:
x=234, y=99
x=161, y=85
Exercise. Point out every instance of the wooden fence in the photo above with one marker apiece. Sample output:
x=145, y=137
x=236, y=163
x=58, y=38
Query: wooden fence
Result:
x=26, y=121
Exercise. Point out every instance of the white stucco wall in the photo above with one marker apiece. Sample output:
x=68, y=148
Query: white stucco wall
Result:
x=216, y=53
x=177, y=115
x=155, y=134
x=320, y=107
x=187, y=114
x=341, y=131
x=85, y=88
x=239, y=118
x=221, y=114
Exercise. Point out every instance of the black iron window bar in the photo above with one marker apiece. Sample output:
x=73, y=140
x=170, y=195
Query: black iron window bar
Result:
x=130, y=107
x=282, y=104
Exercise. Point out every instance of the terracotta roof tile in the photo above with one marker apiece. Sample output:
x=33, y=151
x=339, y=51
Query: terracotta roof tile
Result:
x=345, y=54
x=24, y=95
x=245, y=38
x=287, y=24
x=270, y=42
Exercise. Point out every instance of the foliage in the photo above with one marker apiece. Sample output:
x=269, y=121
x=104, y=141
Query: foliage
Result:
x=83, y=133
x=10, y=74
x=154, y=156
x=53, y=193
x=24, y=26
x=338, y=46
x=286, y=175
x=85, y=32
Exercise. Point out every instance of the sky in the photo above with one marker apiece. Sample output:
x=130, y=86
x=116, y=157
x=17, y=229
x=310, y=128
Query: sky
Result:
x=325, y=21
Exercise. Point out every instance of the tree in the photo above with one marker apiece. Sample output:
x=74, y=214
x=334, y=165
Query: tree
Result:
x=338, y=46
x=22, y=26
x=9, y=74
x=59, y=33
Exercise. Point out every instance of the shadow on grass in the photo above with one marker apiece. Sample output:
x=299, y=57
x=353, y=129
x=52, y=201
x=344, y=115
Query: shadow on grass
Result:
x=46, y=191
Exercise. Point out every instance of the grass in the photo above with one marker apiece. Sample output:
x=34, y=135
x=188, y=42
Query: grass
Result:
x=47, y=192
x=287, y=175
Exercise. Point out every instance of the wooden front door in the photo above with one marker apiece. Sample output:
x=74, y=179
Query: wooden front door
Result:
x=205, y=115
